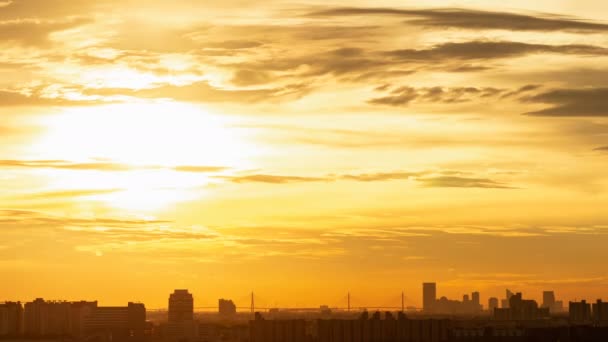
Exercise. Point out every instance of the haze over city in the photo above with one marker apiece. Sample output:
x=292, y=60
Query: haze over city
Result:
x=303, y=150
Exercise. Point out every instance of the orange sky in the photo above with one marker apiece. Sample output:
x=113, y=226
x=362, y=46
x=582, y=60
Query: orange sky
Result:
x=302, y=149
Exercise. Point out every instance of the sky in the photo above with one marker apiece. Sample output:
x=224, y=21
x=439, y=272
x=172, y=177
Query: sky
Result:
x=302, y=150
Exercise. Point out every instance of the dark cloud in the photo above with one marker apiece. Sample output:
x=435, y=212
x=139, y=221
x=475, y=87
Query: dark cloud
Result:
x=590, y=102
x=246, y=77
x=34, y=32
x=446, y=179
x=601, y=149
x=522, y=90
x=404, y=95
x=235, y=44
x=382, y=176
x=484, y=50
x=357, y=64
x=474, y=19
x=461, y=182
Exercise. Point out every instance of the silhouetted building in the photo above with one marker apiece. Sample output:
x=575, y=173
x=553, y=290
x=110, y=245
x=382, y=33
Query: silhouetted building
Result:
x=79, y=312
x=454, y=307
x=47, y=318
x=505, y=302
x=548, y=299
x=226, y=307
x=11, y=319
x=429, y=296
x=521, y=309
x=492, y=304
x=261, y=330
x=600, y=312
x=181, y=325
x=579, y=312
x=181, y=306
x=117, y=323
x=377, y=329
x=476, y=299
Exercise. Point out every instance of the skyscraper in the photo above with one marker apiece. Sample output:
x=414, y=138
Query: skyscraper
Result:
x=181, y=306
x=492, y=304
x=429, y=296
x=548, y=300
x=505, y=302
x=475, y=298
x=11, y=319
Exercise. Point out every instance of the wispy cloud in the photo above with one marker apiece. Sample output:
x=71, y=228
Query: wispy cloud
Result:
x=589, y=102
x=472, y=19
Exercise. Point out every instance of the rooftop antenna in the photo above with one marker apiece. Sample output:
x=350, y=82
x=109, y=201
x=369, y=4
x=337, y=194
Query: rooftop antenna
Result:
x=252, y=304
x=349, y=302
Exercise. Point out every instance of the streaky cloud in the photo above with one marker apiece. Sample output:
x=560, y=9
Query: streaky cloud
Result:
x=471, y=19
x=591, y=102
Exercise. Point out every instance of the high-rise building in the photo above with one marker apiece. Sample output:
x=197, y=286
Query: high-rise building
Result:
x=79, y=312
x=505, y=302
x=11, y=319
x=476, y=299
x=548, y=300
x=47, y=318
x=521, y=309
x=600, y=312
x=492, y=304
x=181, y=306
x=579, y=312
x=117, y=322
x=429, y=296
x=226, y=307
x=181, y=325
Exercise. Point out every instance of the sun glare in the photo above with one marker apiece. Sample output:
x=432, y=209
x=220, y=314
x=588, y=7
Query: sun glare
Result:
x=148, y=143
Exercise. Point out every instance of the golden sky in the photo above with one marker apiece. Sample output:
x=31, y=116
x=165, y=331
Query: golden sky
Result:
x=302, y=149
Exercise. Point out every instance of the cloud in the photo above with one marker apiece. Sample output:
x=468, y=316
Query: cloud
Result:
x=426, y=178
x=381, y=176
x=63, y=164
x=35, y=32
x=68, y=193
x=601, y=149
x=13, y=218
x=37, y=97
x=461, y=182
x=204, y=92
x=571, y=103
x=404, y=95
x=199, y=168
x=246, y=77
x=473, y=19
x=273, y=179
x=484, y=50
x=103, y=166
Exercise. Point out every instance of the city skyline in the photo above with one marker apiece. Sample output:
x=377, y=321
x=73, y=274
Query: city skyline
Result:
x=303, y=150
x=182, y=302
x=441, y=320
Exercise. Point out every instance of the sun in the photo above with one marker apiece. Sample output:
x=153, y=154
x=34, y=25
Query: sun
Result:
x=153, y=141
